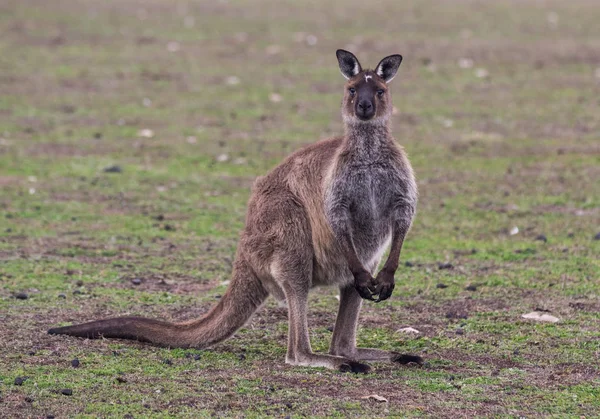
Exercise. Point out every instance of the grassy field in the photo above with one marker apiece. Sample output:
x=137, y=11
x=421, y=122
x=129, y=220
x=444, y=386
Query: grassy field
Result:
x=131, y=133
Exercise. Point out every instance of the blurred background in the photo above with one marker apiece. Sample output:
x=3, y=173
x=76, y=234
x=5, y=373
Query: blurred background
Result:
x=132, y=131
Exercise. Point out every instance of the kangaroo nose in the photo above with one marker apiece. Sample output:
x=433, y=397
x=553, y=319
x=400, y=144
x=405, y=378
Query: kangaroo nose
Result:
x=365, y=105
x=365, y=109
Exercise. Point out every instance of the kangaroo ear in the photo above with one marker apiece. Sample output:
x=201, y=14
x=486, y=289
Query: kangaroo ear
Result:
x=387, y=68
x=349, y=65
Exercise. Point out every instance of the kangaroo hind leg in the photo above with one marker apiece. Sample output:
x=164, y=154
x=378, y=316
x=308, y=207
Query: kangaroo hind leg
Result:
x=294, y=278
x=343, y=342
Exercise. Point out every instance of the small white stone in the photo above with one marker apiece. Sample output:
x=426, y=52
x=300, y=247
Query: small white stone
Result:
x=275, y=97
x=145, y=133
x=31, y=191
x=514, y=231
x=191, y=139
x=481, y=73
x=32, y=179
x=311, y=40
x=465, y=63
x=221, y=158
x=232, y=80
x=541, y=317
x=375, y=397
x=448, y=123
x=161, y=188
x=408, y=330
x=173, y=46
x=273, y=49
x=147, y=102
x=552, y=18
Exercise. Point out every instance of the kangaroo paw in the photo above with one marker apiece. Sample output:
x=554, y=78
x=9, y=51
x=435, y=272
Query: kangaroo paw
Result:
x=407, y=359
x=355, y=367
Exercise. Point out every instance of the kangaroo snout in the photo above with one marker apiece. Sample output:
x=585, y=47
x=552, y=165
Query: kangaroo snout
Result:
x=365, y=109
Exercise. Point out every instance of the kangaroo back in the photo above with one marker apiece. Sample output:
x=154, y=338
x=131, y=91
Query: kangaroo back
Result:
x=244, y=296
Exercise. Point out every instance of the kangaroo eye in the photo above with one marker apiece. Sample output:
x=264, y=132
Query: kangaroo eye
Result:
x=352, y=91
x=380, y=92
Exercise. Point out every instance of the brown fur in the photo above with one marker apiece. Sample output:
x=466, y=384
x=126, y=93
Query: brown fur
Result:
x=322, y=217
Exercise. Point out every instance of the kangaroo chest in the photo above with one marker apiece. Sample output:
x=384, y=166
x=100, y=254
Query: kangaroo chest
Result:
x=370, y=196
x=366, y=197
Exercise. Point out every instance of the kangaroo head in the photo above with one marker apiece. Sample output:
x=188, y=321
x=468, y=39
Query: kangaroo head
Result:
x=367, y=97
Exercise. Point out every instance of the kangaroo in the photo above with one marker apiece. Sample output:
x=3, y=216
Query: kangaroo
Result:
x=325, y=216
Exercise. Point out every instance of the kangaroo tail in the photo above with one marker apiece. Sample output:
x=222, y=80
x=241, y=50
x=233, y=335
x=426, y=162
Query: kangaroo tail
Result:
x=244, y=296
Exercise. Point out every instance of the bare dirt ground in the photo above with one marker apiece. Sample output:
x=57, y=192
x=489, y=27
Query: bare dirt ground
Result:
x=131, y=133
